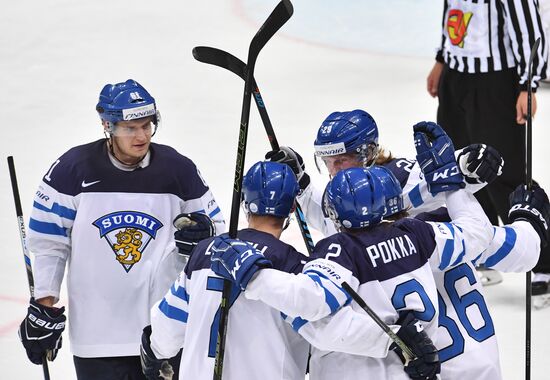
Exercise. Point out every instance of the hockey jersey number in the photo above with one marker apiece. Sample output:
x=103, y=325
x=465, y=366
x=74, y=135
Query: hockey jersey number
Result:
x=461, y=304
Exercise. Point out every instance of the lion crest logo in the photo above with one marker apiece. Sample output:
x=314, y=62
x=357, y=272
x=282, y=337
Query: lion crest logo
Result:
x=128, y=233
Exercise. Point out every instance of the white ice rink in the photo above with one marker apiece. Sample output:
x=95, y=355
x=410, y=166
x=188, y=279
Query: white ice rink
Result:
x=56, y=55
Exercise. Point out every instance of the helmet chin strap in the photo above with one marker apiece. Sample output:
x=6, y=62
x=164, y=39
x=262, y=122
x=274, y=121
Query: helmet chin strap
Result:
x=110, y=143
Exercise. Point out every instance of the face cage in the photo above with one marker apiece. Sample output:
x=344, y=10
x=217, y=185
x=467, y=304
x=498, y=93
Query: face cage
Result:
x=367, y=155
x=330, y=212
x=156, y=123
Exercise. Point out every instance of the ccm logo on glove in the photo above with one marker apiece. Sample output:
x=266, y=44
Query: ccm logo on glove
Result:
x=446, y=173
x=240, y=261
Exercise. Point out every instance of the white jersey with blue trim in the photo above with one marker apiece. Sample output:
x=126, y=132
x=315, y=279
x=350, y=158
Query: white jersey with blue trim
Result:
x=259, y=343
x=466, y=338
x=113, y=229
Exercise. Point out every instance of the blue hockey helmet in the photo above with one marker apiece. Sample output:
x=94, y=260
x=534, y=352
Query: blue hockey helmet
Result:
x=348, y=132
x=269, y=188
x=392, y=189
x=125, y=101
x=354, y=198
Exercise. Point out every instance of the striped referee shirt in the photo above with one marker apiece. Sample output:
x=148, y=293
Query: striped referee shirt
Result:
x=481, y=36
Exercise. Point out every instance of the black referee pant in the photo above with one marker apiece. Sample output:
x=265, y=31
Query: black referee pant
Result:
x=481, y=108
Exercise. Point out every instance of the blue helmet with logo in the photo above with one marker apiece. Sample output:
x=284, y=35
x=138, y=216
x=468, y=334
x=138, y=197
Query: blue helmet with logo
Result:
x=125, y=101
x=354, y=198
x=392, y=189
x=347, y=132
x=269, y=188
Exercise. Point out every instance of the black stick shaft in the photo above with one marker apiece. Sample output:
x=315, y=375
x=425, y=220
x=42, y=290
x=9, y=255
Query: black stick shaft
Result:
x=280, y=15
x=361, y=302
x=21, y=224
x=229, y=62
x=300, y=217
x=233, y=224
x=529, y=183
x=23, y=236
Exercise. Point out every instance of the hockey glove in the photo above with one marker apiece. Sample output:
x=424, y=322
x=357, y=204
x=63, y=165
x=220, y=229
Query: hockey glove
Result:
x=289, y=156
x=40, y=332
x=426, y=366
x=236, y=260
x=435, y=155
x=153, y=368
x=480, y=163
x=191, y=229
x=533, y=207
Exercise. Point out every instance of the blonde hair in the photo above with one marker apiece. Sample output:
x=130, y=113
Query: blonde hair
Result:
x=384, y=156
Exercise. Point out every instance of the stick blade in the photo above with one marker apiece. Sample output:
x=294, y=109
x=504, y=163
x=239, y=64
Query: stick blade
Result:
x=220, y=58
x=280, y=15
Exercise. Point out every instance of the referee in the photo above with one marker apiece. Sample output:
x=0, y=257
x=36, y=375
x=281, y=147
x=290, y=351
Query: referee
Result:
x=480, y=78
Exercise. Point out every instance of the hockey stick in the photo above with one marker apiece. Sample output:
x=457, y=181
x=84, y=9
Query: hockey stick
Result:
x=529, y=183
x=409, y=355
x=280, y=15
x=23, y=235
x=229, y=62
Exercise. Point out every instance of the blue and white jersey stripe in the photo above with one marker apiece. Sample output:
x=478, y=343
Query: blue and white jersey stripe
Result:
x=53, y=212
x=450, y=244
x=314, y=294
x=463, y=239
x=514, y=248
x=175, y=304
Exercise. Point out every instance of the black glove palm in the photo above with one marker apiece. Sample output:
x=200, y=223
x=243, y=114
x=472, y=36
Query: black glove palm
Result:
x=40, y=332
x=426, y=366
x=289, y=156
x=191, y=229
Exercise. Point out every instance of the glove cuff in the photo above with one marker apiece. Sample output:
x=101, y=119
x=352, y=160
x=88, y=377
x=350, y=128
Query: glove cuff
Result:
x=543, y=234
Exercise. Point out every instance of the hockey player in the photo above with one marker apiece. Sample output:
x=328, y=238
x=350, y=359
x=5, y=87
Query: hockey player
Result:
x=350, y=139
x=387, y=263
x=104, y=210
x=188, y=315
x=514, y=248
x=466, y=338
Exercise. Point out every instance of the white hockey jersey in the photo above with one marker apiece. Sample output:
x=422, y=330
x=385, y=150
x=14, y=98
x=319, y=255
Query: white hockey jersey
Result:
x=113, y=229
x=259, y=343
x=466, y=338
